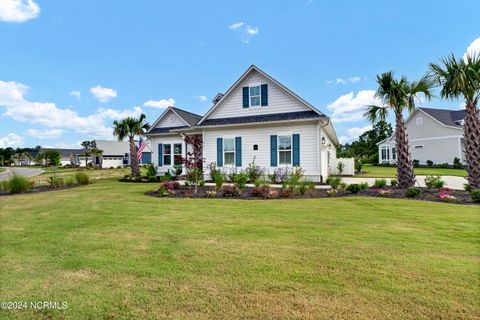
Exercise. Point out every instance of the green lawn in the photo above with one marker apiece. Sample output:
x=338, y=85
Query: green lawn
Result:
x=93, y=173
x=391, y=172
x=111, y=252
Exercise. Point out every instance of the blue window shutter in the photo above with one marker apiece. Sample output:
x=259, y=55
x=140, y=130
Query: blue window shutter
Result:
x=238, y=151
x=146, y=157
x=264, y=93
x=160, y=154
x=273, y=150
x=219, y=152
x=296, y=150
x=245, y=97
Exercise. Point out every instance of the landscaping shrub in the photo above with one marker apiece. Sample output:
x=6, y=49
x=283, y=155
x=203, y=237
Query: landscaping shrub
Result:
x=412, y=192
x=358, y=165
x=430, y=163
x=457, y=164
x=273, y=194
x=217, y=176
x=434, y=182
x=177, y=169
x=475, y=194
x=261, y=192
x=380, y=183
x=416, y=163
x=69, y=181
x=3, y=185
x=232, y=175
x=201, y=183
x=334, y=182
x=279, y=175
x=241, y=180
x=253, y=171
x=342, y=186
x=363, y=185
x=332, y=193
x=151, y=170
x=260, y=182
x=393, y=182
x=18, y=184
x=165, y=192
x=285, y=193
x=353, y=188
x=384, y=192
x=446, y=197
x=230, y=191
x=467, y=187
x=55, y=181
x=172, y=185
x=211, y=194
x=305, y=186
x=82, y=178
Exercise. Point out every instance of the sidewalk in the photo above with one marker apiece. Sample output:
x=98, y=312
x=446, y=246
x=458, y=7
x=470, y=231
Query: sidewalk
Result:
x=452, y=182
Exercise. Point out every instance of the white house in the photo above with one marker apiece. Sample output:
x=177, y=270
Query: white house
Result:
x=434, y=134
x=256, y=119
x=114, y=154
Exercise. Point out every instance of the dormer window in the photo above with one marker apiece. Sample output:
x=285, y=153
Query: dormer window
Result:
x=255, y=96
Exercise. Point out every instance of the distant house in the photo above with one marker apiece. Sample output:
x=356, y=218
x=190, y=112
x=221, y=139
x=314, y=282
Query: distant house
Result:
x=434, y=134
x=115, y=153
x=67, y=156
x=257, y=119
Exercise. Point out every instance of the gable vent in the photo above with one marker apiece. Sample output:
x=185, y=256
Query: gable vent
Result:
x=217, y=98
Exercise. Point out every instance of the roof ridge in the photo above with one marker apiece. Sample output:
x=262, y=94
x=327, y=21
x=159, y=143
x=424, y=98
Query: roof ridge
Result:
x=194, y=114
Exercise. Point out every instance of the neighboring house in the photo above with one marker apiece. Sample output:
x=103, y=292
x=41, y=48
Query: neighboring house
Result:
x=115, y=153
x=257, y=119
x=67, y=156
x=434, y=134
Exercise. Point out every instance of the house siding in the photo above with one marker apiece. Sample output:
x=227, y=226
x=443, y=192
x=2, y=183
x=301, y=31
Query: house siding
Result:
x=164, y=140
x=278, y=101
x=260, y=135
x=166, y=122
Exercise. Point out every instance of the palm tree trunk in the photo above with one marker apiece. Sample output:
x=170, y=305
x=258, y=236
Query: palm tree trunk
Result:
x=405, y=175
x=472, y=145
x=133, y=158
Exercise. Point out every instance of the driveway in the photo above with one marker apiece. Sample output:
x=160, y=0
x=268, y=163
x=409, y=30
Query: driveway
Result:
x=450, y=181
x=25, y=172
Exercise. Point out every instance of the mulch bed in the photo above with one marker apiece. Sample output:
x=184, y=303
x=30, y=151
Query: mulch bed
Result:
x=462, y=197
x=38, y=189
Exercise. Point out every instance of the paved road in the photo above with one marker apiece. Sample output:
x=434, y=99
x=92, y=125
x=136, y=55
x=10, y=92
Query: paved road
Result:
x=450, y=181
x=26, y=172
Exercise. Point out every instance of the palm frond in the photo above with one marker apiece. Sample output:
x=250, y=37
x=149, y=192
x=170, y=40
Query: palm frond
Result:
x=375, y=113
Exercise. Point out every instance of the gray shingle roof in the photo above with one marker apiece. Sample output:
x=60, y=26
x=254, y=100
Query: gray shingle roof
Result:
x=447, y=117
x=262, y=118
x=165, y=130
x=190, y=118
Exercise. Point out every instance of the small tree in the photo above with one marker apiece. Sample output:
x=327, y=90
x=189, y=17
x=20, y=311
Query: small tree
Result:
x=340, y=167
x=52, y=157
x=193, y=161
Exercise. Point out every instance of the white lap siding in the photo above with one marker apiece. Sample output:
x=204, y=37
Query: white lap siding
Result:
x=260, y=135
x=155, y=141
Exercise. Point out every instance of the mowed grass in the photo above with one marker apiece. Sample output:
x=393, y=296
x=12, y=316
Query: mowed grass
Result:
x=111, y=252
x=391, y=172
x=94, y=174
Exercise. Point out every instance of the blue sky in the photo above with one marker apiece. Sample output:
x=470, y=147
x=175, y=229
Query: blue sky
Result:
x=69, y=68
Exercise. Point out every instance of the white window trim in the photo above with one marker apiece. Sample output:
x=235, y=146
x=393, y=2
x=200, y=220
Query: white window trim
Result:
x=223, y=151
x=392, y=153
x=176, y=154
x=291, y=149
x=163, y=155
x=259, y=85
x=387, y=153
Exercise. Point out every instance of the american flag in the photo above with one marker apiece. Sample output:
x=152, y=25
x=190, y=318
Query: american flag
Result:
x=142, y=144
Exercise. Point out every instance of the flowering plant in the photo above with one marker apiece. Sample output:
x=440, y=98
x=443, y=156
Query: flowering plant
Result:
x=273, y=194
x=332, y=192
x=446, y=197
x=211, y=194
x=384, y=192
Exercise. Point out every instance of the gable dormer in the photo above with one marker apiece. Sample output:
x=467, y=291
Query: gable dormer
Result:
x=173, y=118
x=257, y=93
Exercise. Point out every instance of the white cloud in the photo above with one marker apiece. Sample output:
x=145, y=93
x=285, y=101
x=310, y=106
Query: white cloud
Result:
x=64, y=145
x=160, y=104
x=201, y=98
x=237, y=25
x=103, y=94
x=473, y=48
x=350, y=107
x=246, y=31
x=344, y=81
x=49, y=115
x=18, y=10
x=11, y=140
x=45, y=134
x=76, y=94
x=353, y=134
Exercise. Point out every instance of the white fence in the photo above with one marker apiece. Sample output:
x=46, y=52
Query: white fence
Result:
x=348, y=166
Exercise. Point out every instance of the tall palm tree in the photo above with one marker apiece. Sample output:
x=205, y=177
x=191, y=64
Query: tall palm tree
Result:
x=399, y=95
x=460, y=78
x=129, y=128
x=96, y=153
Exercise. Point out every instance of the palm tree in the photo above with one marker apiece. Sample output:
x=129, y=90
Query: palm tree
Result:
x=399, y=95
x=460, y=78
x=131, y=127
x=96, y=153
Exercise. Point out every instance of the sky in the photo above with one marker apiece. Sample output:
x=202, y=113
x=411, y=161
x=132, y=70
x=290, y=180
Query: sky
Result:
x=69, y=68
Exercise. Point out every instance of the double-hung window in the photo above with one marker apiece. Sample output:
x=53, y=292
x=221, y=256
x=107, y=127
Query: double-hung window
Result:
x=385, y=153
x=167, y=154
x=394, y=153
x=229, y=151
x=177, y=153
x=254, y=96
x=285, y=149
